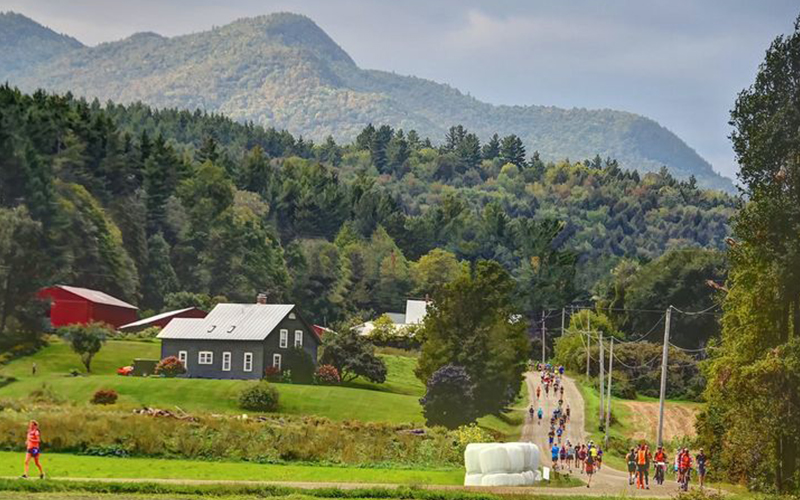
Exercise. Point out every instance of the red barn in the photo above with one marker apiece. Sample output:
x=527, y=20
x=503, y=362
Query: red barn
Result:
x=73, y=305
x=163, y=319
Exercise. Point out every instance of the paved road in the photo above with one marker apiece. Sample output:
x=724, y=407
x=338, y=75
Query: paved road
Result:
x=607, y=481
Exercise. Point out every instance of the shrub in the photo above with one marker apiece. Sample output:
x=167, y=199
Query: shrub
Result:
x=259, y=397
x=170, y=366
x=328, y=374
x=449, y=399
x=302, y=366
x=45, y=394
x=272, y=373
x=105, y=397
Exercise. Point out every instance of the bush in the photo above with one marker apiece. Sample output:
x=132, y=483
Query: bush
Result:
x=259, y=397
x=328, y=374
x=45, y=394
x=302, y=366
x=449, y=399
x=170, y=366
x=105, y=397
x=272, y=373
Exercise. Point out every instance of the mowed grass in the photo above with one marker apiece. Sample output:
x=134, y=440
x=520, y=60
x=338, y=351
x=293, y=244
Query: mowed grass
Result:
x=58, y=465
x=395, y=401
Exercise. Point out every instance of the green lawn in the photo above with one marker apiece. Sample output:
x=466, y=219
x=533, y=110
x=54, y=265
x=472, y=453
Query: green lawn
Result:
x=59, y=465
x=396, y=401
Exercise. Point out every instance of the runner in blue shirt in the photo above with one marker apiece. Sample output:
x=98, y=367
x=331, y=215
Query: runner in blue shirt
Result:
x=554, y=455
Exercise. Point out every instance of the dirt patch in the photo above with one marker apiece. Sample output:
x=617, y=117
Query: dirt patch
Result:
x=678, y=420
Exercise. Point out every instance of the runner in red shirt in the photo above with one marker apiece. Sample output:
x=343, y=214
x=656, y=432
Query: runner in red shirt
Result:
x=32, y=446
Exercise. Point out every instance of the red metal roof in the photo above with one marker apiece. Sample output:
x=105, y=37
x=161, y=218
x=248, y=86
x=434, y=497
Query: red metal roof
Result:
x=96, y=296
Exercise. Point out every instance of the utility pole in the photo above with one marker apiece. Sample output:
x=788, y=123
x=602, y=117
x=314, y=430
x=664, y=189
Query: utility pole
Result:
x=563, y=317
x=608, y=396
x=543, y=341
x=602, y=379
x=664, y=358
x=588, y=345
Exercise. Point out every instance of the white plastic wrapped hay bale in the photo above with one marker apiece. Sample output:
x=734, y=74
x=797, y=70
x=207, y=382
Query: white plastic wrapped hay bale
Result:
x=501, y=464
x=516, y=457
x=529, y=477
x=472, y=457
x=494, y=459
x=473, y=480
x=502, y=479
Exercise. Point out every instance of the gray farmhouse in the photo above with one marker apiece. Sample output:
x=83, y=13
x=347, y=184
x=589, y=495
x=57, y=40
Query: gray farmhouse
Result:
x=238, y=341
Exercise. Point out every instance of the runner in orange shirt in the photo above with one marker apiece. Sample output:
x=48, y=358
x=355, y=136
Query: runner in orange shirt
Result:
x=32, y=445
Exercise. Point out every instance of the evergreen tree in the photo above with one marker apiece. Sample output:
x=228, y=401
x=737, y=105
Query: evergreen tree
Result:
x=512, y=151
x=159, y=277
x=491, y=149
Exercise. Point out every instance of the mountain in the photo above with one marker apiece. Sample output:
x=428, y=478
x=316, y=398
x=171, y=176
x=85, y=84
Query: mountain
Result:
x=26, y=42
x=283, y=71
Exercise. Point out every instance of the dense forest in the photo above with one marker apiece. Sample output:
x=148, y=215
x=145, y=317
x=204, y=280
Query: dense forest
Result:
x=166, y=207
x=284, y=71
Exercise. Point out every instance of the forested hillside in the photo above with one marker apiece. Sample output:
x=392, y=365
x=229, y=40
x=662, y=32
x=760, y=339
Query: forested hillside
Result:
x=148, y=204
x=283, y=71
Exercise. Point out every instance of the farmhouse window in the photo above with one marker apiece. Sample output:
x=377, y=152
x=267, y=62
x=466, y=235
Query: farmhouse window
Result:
x=182, y=356
x=205, y=358
x=276, y=361
x=298, y=338
x=226, y=361
x=292, y=316
x=248, y=361
x=284, y=341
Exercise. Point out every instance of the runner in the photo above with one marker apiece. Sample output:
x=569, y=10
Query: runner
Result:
x=648, y=458
x=559, y=432
x=701, y=467
x=570, y=456
x=541, y=414
x=33, y=445
x=567, y=412
x=551, y=436
x=582, y=457
x=599, y=458
x=531, y=412
x=685, y=469
x=562, y=456
x=589, y=468
x=554, y=455
x=630, y=458
x=538, y=391
x=641, y=463
x=577, y=456
x=661, y=465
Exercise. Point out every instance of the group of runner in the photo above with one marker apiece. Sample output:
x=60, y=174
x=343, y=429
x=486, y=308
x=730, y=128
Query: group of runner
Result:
x=566, y=456
x=640, y=460
x=588, y=458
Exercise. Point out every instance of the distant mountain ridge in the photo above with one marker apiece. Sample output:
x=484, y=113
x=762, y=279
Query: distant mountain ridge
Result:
x=282, y=70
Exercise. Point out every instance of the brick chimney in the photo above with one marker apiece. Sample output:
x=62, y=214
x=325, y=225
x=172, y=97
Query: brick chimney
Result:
x=261, y=298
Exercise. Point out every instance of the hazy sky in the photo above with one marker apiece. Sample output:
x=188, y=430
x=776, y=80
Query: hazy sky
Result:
x=680, y=62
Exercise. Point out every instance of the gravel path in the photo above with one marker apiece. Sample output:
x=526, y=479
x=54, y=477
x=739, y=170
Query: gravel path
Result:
x=605, y=482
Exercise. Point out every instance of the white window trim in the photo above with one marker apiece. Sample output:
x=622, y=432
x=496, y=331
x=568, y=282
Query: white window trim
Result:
x=200, y=357
x=298, y=338
x=292, y=316
x=248, y=362
x=284, y=340
x=277, y=361
x=183, y=357
x=226, y=361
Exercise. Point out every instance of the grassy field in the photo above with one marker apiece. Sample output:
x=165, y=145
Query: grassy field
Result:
x=78, y=466
x=624, y=427
x=396, y=401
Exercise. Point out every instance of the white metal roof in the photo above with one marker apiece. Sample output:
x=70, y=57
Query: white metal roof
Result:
x=416, y=310
x=153, y=319
x=229, y=322
x=96, y=296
